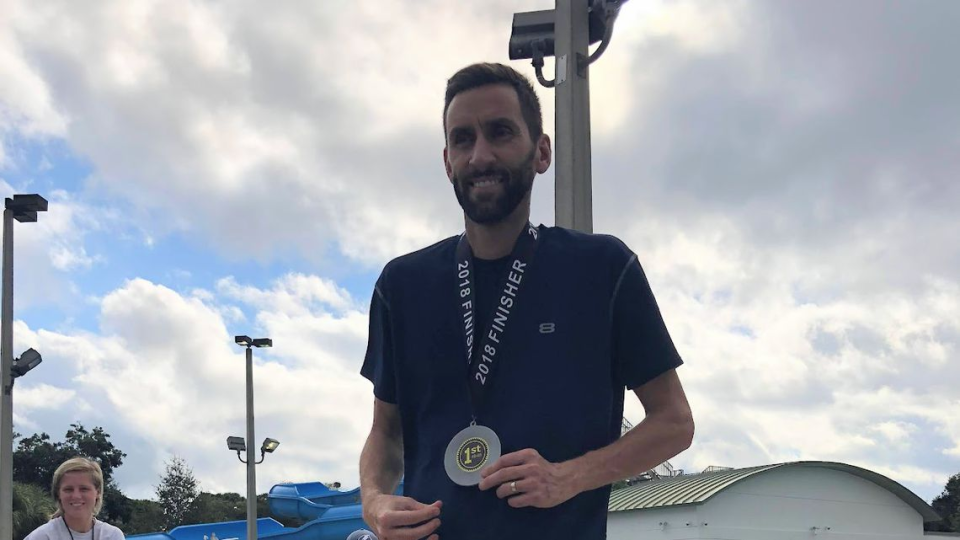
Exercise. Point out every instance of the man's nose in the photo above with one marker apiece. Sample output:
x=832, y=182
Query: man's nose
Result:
x=482, y=155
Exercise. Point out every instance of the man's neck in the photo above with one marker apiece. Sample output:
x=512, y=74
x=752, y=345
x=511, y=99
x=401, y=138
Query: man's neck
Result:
x=496, y=240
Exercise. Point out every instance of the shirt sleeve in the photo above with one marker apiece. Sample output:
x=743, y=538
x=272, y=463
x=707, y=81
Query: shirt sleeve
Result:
x=378, y=365
x=112, y=533
x=40, y=533
x=643, y=349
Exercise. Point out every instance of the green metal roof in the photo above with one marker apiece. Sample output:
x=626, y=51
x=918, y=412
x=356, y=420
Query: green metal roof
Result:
x=699, y=488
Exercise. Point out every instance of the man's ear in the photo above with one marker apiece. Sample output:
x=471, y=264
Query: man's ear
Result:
x=544, y=153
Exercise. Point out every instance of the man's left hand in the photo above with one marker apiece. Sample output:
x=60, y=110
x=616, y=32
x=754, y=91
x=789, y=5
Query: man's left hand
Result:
x=528, y=480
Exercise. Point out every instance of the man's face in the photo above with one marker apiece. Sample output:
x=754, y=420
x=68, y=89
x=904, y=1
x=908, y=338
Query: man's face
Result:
x=489, y=156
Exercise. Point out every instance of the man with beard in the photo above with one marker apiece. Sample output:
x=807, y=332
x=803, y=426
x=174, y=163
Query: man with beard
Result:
x=499, y=357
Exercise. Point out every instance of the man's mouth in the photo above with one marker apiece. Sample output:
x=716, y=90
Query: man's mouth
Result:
x=484, y=181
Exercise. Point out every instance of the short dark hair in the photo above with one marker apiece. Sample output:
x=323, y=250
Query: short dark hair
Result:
x=483, y=74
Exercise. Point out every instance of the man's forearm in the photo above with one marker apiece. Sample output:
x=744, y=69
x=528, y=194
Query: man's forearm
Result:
x=381, y=464
x=656, y=439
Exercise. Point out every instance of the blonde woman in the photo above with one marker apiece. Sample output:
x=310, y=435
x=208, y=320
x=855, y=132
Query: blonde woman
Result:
x=78, y=489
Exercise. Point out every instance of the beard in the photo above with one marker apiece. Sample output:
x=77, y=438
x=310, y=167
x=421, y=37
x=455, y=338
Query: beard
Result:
x=516, y=181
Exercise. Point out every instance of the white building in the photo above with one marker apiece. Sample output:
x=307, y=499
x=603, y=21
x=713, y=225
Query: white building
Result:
x=788, y=501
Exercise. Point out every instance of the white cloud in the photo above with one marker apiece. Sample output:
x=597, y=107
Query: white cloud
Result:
x=268, y=112
x=776, y=377
x=65, y=259
x=26, y=104
x=787, y=183
x=292, y=293
x=42, y=396
x=781, y=229
x=27, y=109
x=167, y=368
x=313, y=319
x=54, y=248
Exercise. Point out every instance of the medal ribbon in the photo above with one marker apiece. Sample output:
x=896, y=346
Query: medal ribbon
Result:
x=484, y=359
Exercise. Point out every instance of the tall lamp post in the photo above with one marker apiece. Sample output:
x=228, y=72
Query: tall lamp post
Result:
x=245, y=341
x=23, y=208
x=566, y=33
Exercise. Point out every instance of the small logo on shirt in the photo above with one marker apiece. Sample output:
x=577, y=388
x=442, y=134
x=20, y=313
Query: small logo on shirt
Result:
x=547, y=328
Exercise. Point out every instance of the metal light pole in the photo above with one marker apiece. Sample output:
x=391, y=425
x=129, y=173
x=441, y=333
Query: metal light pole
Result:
x=245, y=341
x=251, y=467
x=238, y=444
x=567, y=32
x=574, y=183
x=22, y=208
x=6, y=362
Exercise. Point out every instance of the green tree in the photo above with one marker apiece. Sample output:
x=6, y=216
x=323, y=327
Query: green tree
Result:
x=177, y=493
x=947, y=504
x=146, y=516
x=218, y=507
x=95, y=445
x=37, y=457
x=32, y=507
x=117, y=508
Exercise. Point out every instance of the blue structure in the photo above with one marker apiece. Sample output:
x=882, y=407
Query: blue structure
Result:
x=224, y=531
x=330, y=514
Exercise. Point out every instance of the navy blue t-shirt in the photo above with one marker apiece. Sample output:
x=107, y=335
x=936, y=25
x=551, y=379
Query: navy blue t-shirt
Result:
x=585, y=327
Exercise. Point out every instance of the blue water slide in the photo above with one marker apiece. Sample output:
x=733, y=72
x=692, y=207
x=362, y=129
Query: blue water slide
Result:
x=330, y=514
x=335, y=524
x=227, y=530
x=309, y=501
x=150, y=536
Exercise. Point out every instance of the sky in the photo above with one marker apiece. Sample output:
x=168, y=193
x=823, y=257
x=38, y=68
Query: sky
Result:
x=785, y=171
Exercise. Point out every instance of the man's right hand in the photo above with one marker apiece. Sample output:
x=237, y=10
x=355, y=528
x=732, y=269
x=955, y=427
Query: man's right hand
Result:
x=401, y=518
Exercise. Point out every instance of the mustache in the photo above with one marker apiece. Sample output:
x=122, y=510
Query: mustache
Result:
x=501, y=172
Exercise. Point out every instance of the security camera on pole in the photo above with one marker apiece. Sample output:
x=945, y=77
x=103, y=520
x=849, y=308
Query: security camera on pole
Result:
x=567, y=32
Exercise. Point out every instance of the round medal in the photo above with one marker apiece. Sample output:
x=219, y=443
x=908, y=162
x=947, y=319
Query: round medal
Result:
x=468, y=452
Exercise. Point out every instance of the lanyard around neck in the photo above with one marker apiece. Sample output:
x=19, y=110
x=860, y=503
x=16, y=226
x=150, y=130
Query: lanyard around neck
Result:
x=484, y=359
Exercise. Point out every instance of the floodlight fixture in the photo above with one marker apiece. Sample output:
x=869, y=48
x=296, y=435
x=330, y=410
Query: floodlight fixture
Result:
x=247, y=341
x=532, y=34
x=269, y=445
x=236, y=443
x=530, y=28
x=27, y=361
x=25, y=207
